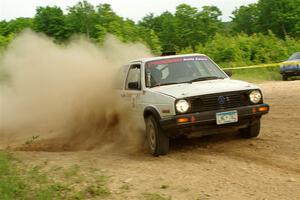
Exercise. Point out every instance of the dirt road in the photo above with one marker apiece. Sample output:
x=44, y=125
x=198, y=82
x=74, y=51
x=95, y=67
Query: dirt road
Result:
x=214, y=167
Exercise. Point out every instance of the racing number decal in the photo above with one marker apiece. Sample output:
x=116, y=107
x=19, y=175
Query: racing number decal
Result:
x=133, y=99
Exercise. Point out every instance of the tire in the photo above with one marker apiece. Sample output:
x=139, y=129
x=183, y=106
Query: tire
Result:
x=251, y=131
x=284, y=77
x=158, y=142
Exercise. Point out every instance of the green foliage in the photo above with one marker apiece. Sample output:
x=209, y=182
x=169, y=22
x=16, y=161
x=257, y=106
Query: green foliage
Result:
x=257, y=74
x=5, y=40
x=242, y=50
x=280, y=16
x=15, y=26
x=51, y=21
x=151, y=40
x=250, y=38
x=245, y=19
x=187, y=28
x=82, y=18
x=168, y=33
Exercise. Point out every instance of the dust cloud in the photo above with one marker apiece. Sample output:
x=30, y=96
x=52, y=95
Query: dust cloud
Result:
x=60, y=97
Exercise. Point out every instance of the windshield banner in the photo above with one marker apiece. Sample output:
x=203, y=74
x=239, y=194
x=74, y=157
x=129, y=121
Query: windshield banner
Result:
x=175, y=60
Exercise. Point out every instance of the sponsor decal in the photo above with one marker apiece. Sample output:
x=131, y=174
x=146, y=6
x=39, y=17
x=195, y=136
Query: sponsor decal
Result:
x=175, y=60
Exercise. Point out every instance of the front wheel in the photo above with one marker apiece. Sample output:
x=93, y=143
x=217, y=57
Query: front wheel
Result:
x=284, y=77
x=252, y=130
x=158, y=142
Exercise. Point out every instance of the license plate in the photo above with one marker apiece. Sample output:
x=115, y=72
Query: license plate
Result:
x=227, y=117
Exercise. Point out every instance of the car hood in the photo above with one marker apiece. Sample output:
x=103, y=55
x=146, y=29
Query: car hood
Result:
x=203, y=87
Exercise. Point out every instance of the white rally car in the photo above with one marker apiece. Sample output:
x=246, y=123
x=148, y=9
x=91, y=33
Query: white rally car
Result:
x=189, y=95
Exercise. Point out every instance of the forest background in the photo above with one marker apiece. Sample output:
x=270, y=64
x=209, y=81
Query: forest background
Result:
x=264, y=32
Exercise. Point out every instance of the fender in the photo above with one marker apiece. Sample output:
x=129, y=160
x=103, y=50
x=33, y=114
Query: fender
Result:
x=151, y=111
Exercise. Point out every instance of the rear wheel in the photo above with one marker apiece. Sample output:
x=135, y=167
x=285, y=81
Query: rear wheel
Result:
x=157, y=141
x=252, y=130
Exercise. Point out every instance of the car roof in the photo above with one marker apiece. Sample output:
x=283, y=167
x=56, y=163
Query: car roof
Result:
x=296, y=54
x=165, y=57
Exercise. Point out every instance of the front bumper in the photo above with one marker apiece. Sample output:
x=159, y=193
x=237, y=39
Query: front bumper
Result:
x=205, y=122
x=291, y=72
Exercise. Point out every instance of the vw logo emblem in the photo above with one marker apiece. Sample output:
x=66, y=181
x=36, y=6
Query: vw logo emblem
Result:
x=221, y=100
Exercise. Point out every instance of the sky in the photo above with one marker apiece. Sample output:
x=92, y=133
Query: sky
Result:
x=132, y=9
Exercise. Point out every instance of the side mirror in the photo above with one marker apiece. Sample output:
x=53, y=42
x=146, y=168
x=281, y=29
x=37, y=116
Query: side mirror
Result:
x=133, y=85
x=228, y=72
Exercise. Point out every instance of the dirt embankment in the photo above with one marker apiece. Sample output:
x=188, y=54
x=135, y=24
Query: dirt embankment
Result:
x=214, y=167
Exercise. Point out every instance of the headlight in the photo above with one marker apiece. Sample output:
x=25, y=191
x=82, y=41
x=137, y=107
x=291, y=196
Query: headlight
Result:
x=182, y=106
x=255, y=96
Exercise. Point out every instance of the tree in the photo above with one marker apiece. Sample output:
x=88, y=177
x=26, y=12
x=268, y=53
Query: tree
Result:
x=110, y=20
x=51, y=21
x=195, y=26
x=280, y=16
x=130, y=32
x=209, y=22
x=188, y=28
x=150, y=22
x=168, y=33
x=245, y=19
x=5, y=40
x=82, y=18
x=151, y=40
x=15, y=26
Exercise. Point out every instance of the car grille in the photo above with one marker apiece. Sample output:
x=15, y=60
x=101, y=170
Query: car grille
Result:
x=212, y=101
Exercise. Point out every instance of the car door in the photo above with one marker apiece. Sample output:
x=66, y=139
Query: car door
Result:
x=133, y=89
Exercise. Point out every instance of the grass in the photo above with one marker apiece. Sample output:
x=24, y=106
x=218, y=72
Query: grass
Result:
x=257, y=74
x=19, y=181
x=12, y=185
x=72, y=171
x=99, y=187
x=44, y=182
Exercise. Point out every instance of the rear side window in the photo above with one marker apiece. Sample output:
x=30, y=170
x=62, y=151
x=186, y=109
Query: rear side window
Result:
x=295, y=56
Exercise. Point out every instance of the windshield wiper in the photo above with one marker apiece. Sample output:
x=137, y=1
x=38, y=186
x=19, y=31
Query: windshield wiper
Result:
x=190, y=81
x=205, y=78
x=171, y=83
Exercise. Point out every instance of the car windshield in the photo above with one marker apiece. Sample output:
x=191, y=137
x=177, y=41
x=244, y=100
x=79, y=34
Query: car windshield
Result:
x=181, y=70
x=295, y=56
